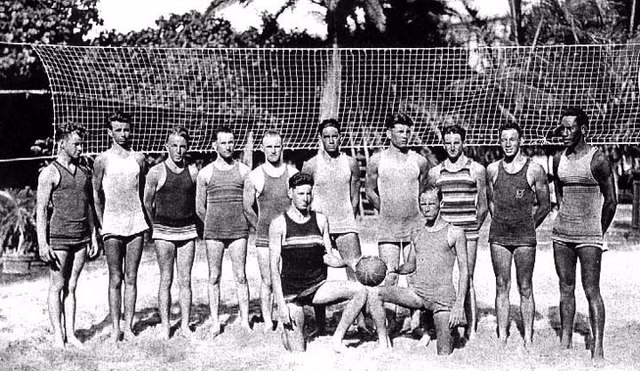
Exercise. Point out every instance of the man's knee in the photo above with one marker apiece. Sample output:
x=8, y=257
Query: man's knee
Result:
x=567, y=289
x=115, y=280
x=240, y=277
x=503, y=283
x=214, y=276
x=592, y=292
x=526, y=289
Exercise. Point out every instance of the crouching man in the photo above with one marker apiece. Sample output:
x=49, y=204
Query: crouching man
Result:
x=299, y=253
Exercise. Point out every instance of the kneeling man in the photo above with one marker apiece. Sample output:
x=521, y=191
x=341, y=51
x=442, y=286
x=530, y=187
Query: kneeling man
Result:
x=299, y=252
x=433, y=252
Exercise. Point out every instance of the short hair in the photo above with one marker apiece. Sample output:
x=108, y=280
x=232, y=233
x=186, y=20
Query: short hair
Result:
x=299, y=179
x=328, y=123
x=581, y=117
x=117, y=116
x=510, y=126
x=433, y=188
x=223, y=129
x=66, y=129
x=397, y=119
x=454, y=129
x=271, y=133
x=179, y=131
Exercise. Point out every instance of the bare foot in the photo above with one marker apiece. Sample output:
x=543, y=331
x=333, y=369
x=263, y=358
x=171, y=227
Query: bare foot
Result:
x=599, y=362
x=425, y=340
x=165, y=332
x=75, y=342
x=215, y=330
x=58, y=342
x=129, y=335
x=268, y=327
x=115, y=335
x=338, y=346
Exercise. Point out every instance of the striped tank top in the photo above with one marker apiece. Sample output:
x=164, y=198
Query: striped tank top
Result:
x=580, y=213
x=69, y=223
x=224, y=219
x=459, y=199
x=123, y=215
x=302, y=254
x=332, y=193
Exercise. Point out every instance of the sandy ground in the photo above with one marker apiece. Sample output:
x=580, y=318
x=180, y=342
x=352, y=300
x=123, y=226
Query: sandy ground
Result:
x=25, y=334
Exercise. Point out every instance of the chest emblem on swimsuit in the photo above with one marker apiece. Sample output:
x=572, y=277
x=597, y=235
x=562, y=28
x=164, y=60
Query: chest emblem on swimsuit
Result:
x=519, y=193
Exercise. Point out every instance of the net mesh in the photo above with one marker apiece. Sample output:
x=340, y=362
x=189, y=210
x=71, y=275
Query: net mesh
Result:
x=253, y=90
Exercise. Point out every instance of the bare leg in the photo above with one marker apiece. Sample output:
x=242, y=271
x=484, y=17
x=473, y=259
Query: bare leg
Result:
x=238, y=251
x=565, y=261
x=444, y=344
x=266, y=299
x=69, y=296
x=390, y=255
x=348, y=245
x=184, y=260
x=165, y=253
x=293, y=336
x=57, y=282
x=132, y=262
x=525, y=259
x=375, y=308
x=336, y=291
x=215, y=251
x=501, y=260
x=403, y=296
x=470, y=305
x=590, y=264
x=114, y=250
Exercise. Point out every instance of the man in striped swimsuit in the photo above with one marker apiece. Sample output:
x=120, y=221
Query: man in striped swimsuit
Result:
x=395, y=178
x=336, y=194
x=587, y=199
x=219, y=205
x=463, y=185
x=514, y=185
x=267, y=187
x=299, y=252
x=118, y=186
x=65, y=184
x=169, y=198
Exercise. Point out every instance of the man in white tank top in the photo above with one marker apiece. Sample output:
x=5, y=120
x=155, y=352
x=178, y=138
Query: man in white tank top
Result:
x=118, y=185
x=395, y=178
x=587, y=203
x=336, y=194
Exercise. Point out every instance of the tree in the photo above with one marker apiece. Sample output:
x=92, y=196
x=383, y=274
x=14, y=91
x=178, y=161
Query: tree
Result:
x=43, y=21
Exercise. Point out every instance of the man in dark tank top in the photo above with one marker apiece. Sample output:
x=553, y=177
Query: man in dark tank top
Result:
x=71, y=235
x=169, y=198
x=299, y=252
x=587, y=203
x=514, y=185
x=435, y=248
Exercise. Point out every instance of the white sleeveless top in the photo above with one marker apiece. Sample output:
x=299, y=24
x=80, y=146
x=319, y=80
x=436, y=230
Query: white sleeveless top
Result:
x=123, y=214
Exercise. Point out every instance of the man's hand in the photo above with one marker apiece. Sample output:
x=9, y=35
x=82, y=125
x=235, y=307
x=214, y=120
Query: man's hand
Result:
x=94, y=246
x=285, y=317
x=47, y=255
x=333, y=261
x=457, y=316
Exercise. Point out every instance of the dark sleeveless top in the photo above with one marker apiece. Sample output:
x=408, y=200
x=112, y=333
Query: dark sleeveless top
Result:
x=512, y=222
x=225, y=214
x=433, y=280
x=175, y=200
x=272, y=201
x=303, y=267
x=69, y=223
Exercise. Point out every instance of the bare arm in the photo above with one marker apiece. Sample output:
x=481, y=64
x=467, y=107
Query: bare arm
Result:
x=201, y=194
x=355, y=184
x=150, y=189
x=541, y=188
x=96, y=182
x=277, y=230
x=409, y=266
x=557, y=183
x=248, y=200
x=424, y=173
x=601, y=169
x=48, y=179
x=94, y=246
x=481, y=184
x=371, y=182
x=329, y=257
x=140, y=158
x=492, y=174
x=432, y=176
x=458, y=241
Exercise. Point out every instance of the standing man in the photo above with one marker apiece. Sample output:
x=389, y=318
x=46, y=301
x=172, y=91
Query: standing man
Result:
x=464, y=204
x=395, y=178
x=118, y=187
x=66, y=185
x=587, y=198
x=300, y=251
x=169, y=198
x=435, y=247
x=515, y=184
x=219, y=205
x=267, y=185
